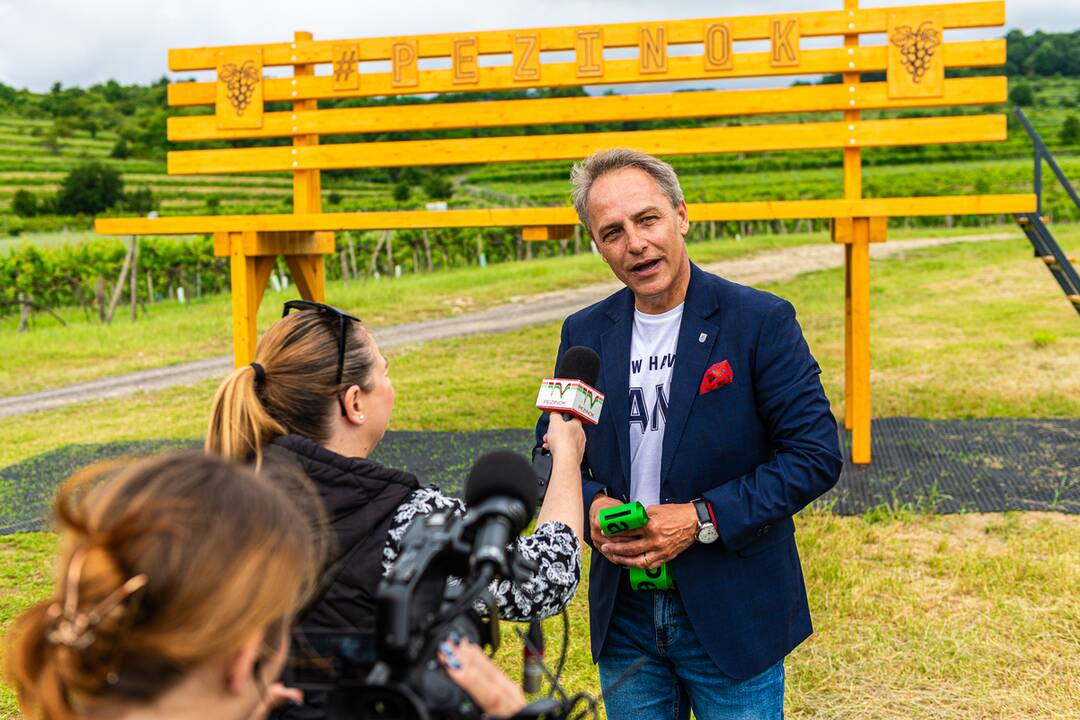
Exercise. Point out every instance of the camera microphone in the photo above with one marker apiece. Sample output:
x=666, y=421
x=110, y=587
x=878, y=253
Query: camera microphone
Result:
x=500, y=493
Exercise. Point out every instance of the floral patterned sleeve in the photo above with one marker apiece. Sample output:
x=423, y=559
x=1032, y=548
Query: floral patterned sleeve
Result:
x=552, y=547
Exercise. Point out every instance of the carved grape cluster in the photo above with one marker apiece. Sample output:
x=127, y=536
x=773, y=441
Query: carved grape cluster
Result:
x=916, y=47
x=240, y=84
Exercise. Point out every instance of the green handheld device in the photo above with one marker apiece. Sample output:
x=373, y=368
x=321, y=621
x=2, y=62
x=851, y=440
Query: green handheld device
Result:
x=631, y=516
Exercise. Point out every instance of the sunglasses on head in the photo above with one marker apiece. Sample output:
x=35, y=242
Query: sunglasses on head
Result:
x=332, y=312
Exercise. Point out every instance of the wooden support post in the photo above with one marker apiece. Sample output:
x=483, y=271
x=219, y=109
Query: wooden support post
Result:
x=852, y=191
x=847, y=337
x=860, y=339
x=308, y=271
x=250, y=274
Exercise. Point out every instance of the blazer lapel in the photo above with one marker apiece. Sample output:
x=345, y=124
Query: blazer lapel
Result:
x=697, y=337
x=615, y=358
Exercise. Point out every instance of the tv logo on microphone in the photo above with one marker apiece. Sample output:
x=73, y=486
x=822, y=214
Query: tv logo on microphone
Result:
x=571, y=396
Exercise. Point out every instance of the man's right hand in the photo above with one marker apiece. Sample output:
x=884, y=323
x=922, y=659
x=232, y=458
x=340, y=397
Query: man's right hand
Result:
x=599, y=502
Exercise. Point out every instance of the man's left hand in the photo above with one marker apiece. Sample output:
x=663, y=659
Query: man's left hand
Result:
x=671, y=529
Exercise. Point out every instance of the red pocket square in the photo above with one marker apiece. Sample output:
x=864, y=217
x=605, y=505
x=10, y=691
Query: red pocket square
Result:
x=716, y=377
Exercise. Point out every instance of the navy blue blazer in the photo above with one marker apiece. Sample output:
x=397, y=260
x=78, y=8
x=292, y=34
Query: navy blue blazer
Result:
x=758, y=449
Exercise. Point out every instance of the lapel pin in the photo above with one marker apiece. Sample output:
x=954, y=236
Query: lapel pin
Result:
x=701, y=337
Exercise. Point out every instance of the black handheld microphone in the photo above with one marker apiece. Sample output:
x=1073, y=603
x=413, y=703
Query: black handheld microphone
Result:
x=500, y=493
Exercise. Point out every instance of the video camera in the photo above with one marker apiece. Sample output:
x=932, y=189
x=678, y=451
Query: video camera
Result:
x=438, y=585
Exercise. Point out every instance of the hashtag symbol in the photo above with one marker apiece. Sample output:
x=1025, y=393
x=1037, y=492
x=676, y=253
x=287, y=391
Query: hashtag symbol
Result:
x=343, y=68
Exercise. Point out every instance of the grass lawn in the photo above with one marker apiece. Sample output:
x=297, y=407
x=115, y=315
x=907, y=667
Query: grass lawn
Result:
x=50, y=355
x=916, y=615
x=947, y=343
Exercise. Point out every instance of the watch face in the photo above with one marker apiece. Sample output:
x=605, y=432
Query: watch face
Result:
x=707, y=534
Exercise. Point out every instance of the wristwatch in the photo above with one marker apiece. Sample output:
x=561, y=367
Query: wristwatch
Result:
x=706, y=530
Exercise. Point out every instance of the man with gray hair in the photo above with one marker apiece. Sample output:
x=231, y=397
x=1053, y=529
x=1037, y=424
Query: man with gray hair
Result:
x=716, y=421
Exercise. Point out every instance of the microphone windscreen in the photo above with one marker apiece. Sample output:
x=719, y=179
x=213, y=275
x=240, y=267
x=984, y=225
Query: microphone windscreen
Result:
x=579, y=363
x=502, y=472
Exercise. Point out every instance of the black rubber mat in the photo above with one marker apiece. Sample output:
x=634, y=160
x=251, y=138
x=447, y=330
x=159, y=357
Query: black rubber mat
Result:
x=940, y=466
x=951, y=466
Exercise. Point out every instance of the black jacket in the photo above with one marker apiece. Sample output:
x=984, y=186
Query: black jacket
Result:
x=359, y=497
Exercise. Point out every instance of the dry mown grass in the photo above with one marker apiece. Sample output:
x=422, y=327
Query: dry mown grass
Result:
x=919, y=616
x=958, y=616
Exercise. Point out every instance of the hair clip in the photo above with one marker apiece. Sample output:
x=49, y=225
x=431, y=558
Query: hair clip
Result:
x=74, y=629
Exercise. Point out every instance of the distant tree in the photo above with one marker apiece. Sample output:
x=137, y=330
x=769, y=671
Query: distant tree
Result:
x=1070, y=131
x=334, y=198
x=437, y=187
x=1022, y=95
x=90, y=189
x=120, y=150
x=91, y=126
x=25, y=203
x=140, y=201
x=213, y=205
x=402, y=191
x=52, y=143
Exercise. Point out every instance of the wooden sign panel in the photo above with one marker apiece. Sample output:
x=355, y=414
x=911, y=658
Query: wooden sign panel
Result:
x=239, y=102
x=915, y=64
x=346, y=70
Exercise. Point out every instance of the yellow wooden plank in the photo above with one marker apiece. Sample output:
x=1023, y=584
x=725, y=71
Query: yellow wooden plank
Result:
x=272, y=244
x=516, y=217
x=499, y=113
x=747, y=27
x=979, y=53
x=521, y=148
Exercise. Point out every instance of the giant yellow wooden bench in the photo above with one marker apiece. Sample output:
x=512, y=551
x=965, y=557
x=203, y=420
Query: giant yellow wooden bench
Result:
x=914, y=57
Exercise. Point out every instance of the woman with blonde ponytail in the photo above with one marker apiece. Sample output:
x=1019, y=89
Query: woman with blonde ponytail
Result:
x=319, y=397
x=178, y=579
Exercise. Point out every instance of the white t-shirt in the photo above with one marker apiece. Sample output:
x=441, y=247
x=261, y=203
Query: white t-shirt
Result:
x=652, y=355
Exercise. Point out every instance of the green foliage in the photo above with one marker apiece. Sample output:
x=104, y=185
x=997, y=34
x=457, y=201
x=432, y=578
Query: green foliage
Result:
x=438, y=187
x=1022, y=95
x=90, y=189
x=68, y=274
x=1044, y=54
x=334, y=198
x=140, y=201
x=1070, y=131
x=25, y=203
x=120, y=150
x=402, y=191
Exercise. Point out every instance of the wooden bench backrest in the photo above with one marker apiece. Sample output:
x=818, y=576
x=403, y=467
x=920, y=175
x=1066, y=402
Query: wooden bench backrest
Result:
x=241, y=92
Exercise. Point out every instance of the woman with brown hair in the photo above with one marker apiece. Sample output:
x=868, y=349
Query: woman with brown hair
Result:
x=178, y=579
x=319, y=396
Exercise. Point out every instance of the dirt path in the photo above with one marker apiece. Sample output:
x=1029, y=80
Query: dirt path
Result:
x=766, y=267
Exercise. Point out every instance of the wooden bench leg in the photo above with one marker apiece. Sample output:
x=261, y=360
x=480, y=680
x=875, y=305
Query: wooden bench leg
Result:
x=859, y=361
x=848, y=379
x=249, y=277
x=309, y=274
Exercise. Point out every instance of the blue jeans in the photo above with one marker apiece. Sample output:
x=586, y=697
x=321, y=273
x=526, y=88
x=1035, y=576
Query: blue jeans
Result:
x=678, y=675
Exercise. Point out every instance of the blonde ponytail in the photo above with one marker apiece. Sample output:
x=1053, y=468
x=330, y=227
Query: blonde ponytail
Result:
x=239, y=425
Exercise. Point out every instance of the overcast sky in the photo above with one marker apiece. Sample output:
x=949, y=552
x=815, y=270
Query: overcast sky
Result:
x=82, y=42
